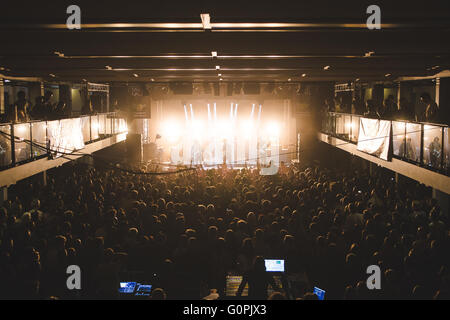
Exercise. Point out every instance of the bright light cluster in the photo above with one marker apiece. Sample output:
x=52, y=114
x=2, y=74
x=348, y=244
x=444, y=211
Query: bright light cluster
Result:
x=173, y=130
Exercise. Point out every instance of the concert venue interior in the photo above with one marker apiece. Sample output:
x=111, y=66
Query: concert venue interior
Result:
x=283, y=150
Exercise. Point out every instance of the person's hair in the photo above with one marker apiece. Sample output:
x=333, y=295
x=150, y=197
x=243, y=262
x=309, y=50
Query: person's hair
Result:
x=158, y=294
x=425, y=96
x=277, y=296
x=258, y=264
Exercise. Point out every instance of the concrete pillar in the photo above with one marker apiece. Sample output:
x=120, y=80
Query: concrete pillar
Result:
x=2, y=96
x=107, y=100
x=399, y=96
x=438, y=85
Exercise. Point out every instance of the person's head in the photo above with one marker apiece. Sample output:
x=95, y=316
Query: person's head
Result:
x=277, y=296
x=370, y=105
x=158, y=294
x=310, y=296
x=21, y=95
x=48, y=95
x=425, y=97
x=258, y=264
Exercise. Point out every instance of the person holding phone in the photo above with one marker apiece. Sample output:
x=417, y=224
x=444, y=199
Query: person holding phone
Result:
x=258, y=280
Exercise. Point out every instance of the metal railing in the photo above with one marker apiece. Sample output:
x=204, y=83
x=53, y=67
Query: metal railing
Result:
x=20, y=150
x=424, y=144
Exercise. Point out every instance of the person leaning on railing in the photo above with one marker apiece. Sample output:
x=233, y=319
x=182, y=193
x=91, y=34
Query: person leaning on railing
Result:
x=371, y=110
x=19, y=111
x=432, y=112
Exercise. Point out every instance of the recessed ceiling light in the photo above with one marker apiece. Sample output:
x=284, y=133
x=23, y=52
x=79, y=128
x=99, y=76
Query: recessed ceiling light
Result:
x=108, y=67
x=289, y=79
x=52, y=75
x=152, y=79
x=217, y=67
x=135, y=75
x=326, y=68
x=221, y=79
x=357, y=79
x=219, y=75
x=435, y=67
x=206, y=21
x=387, y=75
x=304, y=75
x=214, y=54
x=369, y=54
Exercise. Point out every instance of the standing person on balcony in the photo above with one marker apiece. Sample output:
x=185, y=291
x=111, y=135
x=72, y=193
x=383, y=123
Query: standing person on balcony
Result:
x=431, y=113
x=371, y=110
x=357, y=106
x=20, y=109
x=87, y=108
x=404, y=110
x=48, y=107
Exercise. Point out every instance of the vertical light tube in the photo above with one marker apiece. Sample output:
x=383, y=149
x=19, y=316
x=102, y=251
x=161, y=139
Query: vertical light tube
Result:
x=186, y=114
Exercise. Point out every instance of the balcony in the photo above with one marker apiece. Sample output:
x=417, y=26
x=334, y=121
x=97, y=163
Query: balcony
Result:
x=31, y=147
x=420, y=151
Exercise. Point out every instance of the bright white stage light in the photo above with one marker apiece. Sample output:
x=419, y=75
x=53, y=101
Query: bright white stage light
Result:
x=247, y=129
x=197, y=129
x=171, y=130
x=224, y=130
x=273, y=129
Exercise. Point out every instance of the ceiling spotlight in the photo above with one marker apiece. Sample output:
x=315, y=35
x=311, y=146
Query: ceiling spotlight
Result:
x=206, y=21
x=289, y=79
x=221, y=79
x=59, y=54
x=219, y=74
x=435, y=67
x=387, y=75
x=217, y=67
x=214, y=54
x=152, y=79
x=304, y=75
x=108, y=67
x=52, y=75
x=369, y=54
x=135, y=75
x=357, y=79
x=326, y=68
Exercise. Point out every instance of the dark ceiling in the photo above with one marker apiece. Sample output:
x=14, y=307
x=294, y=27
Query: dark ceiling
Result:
x=146, y=46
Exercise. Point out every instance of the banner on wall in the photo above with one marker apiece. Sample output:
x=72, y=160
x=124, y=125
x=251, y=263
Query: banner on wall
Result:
x=65, y=136
x=374, y=137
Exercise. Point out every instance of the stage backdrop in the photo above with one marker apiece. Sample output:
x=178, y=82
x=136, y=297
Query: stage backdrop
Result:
x=374, y=137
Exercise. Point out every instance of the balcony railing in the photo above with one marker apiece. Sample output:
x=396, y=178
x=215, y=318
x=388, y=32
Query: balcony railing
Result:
x=31, y=138
x=424, y=144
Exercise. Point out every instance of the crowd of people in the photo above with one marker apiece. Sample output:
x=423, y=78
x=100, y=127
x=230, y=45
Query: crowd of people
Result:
x=389, y=109
x=44, y=108
x=186, y=232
